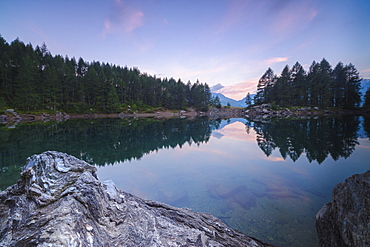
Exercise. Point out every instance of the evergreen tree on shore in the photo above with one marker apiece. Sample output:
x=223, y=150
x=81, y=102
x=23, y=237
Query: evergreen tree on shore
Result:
x=33, y=79
x=367, y=99
x=321, y=86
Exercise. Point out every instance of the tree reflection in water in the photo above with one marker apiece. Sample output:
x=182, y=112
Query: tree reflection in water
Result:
x=107, y=141
x=98, y=141
x=103, y=141
x=316, y=138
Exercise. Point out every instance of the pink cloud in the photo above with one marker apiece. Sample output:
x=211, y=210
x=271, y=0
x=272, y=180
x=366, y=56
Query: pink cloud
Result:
x=123, y=18
x=274, y=60
x=239, y=90
x=236, y=131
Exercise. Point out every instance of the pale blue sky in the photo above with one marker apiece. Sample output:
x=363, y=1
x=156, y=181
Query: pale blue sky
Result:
x=215, y=41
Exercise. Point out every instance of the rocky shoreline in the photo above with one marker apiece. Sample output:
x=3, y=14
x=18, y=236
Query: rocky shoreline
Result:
x=257, y=113
x=59, y=201
x=268, y=111
x=12, y=118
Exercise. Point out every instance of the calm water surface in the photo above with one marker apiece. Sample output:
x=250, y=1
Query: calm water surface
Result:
x=267, y=180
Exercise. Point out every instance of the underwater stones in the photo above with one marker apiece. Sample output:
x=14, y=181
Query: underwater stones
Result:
x=345, y=220
x=241, y=195
x=60, y=202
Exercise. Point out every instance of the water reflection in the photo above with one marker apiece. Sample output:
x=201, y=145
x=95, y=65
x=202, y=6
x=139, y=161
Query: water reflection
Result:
x=316, y=138
x=213, y=166
x=366, y=125
x=270, y=198
x=107, y=141
x=98, y=141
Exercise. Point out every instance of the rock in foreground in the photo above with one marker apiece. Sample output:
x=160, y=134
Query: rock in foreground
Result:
x=345, y=221
x=60, y=202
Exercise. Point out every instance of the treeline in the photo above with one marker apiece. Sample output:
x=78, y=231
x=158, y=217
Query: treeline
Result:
x=32, y=79
x=314, y=138
x=320, y=86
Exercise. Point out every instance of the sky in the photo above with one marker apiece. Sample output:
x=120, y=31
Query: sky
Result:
x=228, y=42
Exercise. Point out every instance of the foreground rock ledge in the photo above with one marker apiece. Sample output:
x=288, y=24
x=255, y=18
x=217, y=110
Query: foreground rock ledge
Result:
x=60, y=202
x=345, y=221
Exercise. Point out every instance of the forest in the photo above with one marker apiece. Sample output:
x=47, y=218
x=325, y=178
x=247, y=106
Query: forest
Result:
x=321, y=86
x=32, y=79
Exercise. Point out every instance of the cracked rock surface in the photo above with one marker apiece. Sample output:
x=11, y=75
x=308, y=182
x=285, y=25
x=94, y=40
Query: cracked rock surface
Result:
x=345, y=221
x=59, y=201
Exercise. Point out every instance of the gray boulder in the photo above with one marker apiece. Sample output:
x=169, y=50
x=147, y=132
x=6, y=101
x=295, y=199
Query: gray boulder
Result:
x=345, y=221
x=60, y=202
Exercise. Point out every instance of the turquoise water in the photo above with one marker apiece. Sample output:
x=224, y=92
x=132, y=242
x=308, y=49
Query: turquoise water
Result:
x=267, y=180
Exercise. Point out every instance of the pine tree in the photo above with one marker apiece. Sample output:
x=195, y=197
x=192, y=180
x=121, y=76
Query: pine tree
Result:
x=299, y=85
x=216, y=102
x=112, y=99
x=26, y=97
x=324, y=83
x=264, y=85
x=5, y=72
x=353, y=86
x=71, y=83
x=248, y=100
x=367, y=99
x=282, y=92
x=313, y=90
x=338, y=86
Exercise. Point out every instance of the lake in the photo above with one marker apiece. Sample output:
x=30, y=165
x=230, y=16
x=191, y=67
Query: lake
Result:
x=266, y=179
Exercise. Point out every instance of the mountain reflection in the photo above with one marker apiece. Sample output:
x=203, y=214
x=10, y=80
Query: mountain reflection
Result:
x=102, y=141
x=317, y=138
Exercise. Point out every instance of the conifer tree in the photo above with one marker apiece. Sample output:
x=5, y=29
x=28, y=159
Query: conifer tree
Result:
x=248, y=100
x=367, y=99
x=338, y=86
x=216, y=102
x=321, y=86
x=299, y=86
x=26, y=97
x=353, y=85
x=282, y=92
x=264, y=85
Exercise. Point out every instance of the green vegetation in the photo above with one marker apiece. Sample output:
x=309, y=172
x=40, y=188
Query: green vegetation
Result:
x=31, y=79
x=248, y=100
x=321, y=86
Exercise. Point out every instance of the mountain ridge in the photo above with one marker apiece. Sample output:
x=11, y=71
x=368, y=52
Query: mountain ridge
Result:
x=224, y=100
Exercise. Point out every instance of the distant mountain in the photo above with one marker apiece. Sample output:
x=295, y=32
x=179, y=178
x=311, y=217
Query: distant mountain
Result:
x=365, y=84
x=216, y=87
x=224, y=100
x=236, y=103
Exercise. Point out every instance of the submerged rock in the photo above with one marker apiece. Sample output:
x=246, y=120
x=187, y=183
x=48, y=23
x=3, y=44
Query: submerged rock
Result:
x=345, y=221
x=60, y=202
